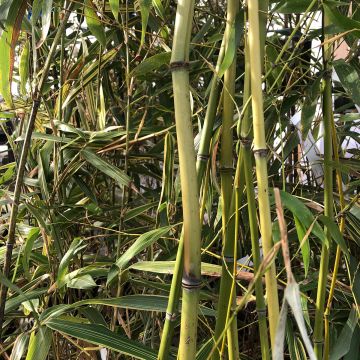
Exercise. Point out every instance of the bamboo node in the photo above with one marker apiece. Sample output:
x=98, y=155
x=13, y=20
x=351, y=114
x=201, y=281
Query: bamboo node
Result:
x=190, y=283
x=261, y=313
x=203, y=157
x=226, y=169
x=246, y=142
x=170, y=316
x=179, y=65
x=260, y=152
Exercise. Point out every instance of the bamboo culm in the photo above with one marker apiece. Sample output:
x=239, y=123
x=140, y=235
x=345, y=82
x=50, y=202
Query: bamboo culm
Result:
x=260, y=152
x=189, y=186
x=328, y=197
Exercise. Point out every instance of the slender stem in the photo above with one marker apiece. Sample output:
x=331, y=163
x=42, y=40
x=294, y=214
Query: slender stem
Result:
x=328, y=197
x=250, y=194
x=189, y=185
x=260, y=151
x=226, y=295
x=22, y=163
x=338, y=249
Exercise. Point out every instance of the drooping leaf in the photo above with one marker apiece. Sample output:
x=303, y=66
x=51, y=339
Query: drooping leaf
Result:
x=141, y=243
x=102, y=336
x=145, y=7
x=19, y=347
x=45, y=20
x=152, y=63
x=24, y=67
x=349, y=79
x=115, y=8
x=342, y=344
x=39, y=344
x=8, y=41
x=94, y=23
x=290, y=6
x=106, y=167
x=335, y=233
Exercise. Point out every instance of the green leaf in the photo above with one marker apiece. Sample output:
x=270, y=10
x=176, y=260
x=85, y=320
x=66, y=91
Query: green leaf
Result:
x=19, y=347
x=45, y=20
x=74, y=248
x=309, y=107
x=141, y=243
x=145, y=6
x=24, y=67
x=349, y=79
x=342, y=344
x=152, y=63
x=335, y=233
x=102, y=336
x=105, y=167
x=305, y=248
x=291, y=6
x=115, y=8
x=82, y=282
x=93, y=23
x=7, y=47
x=39, y=344
x=298, y=209
x=343, y=22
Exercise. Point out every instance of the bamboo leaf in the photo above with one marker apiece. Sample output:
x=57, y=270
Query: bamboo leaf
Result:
x=349, y=79
x=7, y=47
x=145, y=6
x=115, y=8
x=342, y=344
x=24, y=67
x=82, y=282
x=141, y=243
x=102, y=336
x=94, y=23
x=335, y=233
x=39, y=344
x=105, y=167
x=290, y=6
x=152, y=63
x=19, y=347
x=45, y=20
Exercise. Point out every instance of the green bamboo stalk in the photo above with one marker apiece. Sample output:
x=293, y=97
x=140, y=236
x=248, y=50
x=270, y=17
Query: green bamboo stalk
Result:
x=23, y=158
x=260, y=152
x=226, y=163
x=245, y=149
x=338, y=249
x=190, y=195
x=328, y=196
x=202, y=160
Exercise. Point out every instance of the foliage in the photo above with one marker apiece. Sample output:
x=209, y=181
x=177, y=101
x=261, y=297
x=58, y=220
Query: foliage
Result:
x=101, y=211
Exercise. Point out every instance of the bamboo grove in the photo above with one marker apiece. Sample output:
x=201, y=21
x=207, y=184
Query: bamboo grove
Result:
x=179, y=179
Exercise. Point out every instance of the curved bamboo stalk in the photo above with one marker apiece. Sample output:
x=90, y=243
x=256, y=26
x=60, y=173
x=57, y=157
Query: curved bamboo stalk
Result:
x=260, y=151
x=190, y=194
x=23, y=158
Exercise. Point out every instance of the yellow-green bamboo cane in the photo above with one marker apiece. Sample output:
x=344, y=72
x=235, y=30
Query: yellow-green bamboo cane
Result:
x=227, y=294
x=328, y=197
x=189, y=187
x=245, y=149
x=260, y=151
